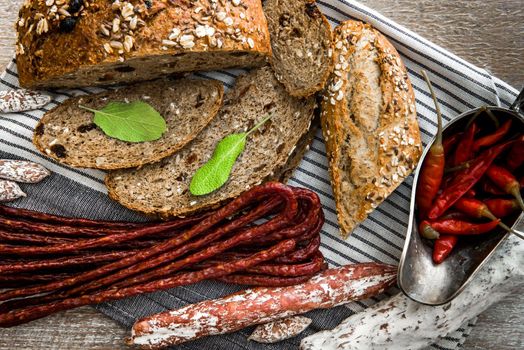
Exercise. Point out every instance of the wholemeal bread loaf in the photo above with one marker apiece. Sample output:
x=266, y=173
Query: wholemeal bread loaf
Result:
x=301, y=40
x=93, y=42
x=67, y=133
x=163, y=188
x=369, y=122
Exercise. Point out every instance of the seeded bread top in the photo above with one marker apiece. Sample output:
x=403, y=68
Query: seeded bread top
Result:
x=60, y=36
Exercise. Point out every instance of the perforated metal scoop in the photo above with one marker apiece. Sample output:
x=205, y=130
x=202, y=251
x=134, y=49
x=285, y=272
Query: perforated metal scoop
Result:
x=422, y=280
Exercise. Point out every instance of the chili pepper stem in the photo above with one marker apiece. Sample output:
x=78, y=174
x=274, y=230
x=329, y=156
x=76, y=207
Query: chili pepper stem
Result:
x=438, y=139
x=476, y=115
x=493, y=118
x=515, y=192
x=489, y=215
x=459, y=167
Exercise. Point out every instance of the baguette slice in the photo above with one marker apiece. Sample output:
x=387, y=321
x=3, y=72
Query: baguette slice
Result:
x=369, y=122
x=162, y=189
x=67, y=133
x=301, y=41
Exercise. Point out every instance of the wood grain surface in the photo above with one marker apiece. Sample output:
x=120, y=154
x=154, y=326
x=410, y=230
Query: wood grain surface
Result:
x=488, y=33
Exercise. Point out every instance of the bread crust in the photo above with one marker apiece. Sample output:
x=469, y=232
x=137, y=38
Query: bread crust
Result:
x=107, y=43
x=369, y=122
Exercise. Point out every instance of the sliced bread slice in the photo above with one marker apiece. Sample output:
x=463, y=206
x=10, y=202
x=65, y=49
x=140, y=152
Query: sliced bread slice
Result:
x=163, y=188
x=301, y=40
x=67, y=133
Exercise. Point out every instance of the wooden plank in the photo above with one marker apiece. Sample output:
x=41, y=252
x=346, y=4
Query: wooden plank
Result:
x=487, y=33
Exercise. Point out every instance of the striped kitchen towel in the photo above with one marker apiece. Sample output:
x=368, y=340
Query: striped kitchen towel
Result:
x=76, y=192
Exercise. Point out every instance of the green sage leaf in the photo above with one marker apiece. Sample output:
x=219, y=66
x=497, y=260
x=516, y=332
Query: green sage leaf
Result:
x=215, y=173
x=131, y=122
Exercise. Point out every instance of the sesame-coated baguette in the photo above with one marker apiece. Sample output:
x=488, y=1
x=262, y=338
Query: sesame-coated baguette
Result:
x=369, y=122
x=301, y=40
x=68, y=135
x=162, y=189
x=92, y=42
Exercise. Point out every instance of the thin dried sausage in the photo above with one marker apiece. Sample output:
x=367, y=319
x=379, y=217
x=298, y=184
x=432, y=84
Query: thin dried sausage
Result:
x=16, y=317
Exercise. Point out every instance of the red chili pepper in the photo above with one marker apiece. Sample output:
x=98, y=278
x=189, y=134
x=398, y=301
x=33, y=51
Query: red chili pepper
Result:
x=473, y=208
x=443, y=247
x=471, y=193
x=432, y=169
x=506, y=181
x=466, y=179
x=488, y=186
x=459, y=227
x=427, y=231
x=515, y=157
x=492, y=139
x=501, y=207
x=464, y=150
x=455, y=215
x=477, y=209
x=451, y=141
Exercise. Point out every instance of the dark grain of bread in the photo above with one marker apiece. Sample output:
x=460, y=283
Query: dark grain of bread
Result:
x=163, y=188
x=68, y=135
x=369, y=122
x=301, y=41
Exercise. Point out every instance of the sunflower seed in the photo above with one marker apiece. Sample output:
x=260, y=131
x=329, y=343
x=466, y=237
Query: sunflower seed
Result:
x=128, y=43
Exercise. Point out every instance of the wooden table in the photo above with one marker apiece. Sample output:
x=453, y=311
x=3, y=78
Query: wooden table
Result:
x=488, y=33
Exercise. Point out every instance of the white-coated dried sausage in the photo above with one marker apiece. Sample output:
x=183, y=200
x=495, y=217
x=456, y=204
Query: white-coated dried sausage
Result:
x=20, y=100
x=22, y=171
x=261, y=305
x=276, y=331
x=9, y=191
x=402, y=324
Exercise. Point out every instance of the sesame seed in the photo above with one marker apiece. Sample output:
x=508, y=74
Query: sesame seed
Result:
x=169, y=43
x=187, y=41
x=251, y=43
x=200, y=31
x=228, y=21
x=175, y=33
x=221, y=16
